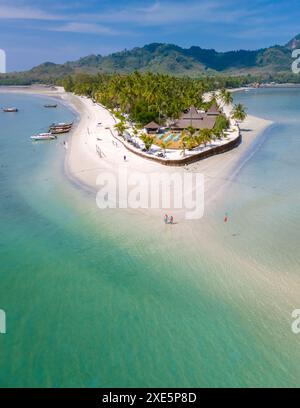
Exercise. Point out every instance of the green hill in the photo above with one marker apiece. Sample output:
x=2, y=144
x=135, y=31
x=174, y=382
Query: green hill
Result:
x=169, y=59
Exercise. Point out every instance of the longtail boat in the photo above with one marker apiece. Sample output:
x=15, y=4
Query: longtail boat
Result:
x=57, y=131
x=43, y=136
x=10, y=110
x=61, y=125
x=60, y=128
x=49, y=105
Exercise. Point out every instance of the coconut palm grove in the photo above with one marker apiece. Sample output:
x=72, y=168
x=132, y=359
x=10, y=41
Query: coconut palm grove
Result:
x=146, y=98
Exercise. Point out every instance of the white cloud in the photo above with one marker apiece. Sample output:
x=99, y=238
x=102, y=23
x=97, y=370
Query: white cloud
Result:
x=165, y=14
x=85, y=28
x=169, y=12
x=25, y=13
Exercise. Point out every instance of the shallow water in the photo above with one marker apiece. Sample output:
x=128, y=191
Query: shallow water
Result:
x=107, y=298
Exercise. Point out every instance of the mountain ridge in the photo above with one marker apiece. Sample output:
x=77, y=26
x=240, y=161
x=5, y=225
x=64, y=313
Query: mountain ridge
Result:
x=175, y=60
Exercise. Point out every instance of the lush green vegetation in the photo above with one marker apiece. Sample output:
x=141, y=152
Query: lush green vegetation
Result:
x=148, y=140
x=146, y=97
x=192, y=138
x=239, y=112
x=226, y=97
x=221, y=125
x=159, y=97
x=121, y=127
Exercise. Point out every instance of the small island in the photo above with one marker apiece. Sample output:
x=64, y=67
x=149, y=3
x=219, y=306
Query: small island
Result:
x=174, y=121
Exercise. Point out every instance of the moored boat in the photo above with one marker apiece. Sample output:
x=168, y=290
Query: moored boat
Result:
x=57, y=131
x=10, y=109
x=49, y=105
x=61, y=125
x=43, y=136
x=58, y=128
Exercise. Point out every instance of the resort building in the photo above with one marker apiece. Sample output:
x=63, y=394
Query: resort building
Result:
x=196, y=119
x=213, y=111
x=152, y=128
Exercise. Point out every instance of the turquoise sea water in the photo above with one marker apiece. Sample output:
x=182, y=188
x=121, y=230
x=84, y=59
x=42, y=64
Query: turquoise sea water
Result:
x=109, y=298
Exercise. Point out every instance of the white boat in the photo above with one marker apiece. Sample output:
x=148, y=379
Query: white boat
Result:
x=10, y=109
x=43, y=136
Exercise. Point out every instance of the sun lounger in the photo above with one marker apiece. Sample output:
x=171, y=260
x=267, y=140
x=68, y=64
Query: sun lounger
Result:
x=170, y=137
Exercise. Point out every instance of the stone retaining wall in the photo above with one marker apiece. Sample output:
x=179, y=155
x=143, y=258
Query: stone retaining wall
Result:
x=186, y=160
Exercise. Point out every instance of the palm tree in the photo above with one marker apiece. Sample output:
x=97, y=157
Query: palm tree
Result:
x=239, y=112
x=221, y=125
x=191, y=131
x=120, y=128
x=182, y=147
x=164, y=145
x=217, y=134
x=205, y=136
x=226, y=97
x=184, y=142
x=160, y=107
x=148, y=140
x=190, y=137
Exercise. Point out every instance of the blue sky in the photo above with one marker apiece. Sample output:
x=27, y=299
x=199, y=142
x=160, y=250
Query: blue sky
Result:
x=35, y=31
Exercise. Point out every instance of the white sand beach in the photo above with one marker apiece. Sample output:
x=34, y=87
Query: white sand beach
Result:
x=84, y=164
x=92, y=149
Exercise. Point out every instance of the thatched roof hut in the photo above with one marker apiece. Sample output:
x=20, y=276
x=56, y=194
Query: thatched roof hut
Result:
x=152, y=127
x=194, y=119
x=213, y=110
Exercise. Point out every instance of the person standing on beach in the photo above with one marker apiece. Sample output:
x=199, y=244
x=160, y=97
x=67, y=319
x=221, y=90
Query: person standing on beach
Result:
x=171, y=219
x=125, y=158
x=166, y=219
